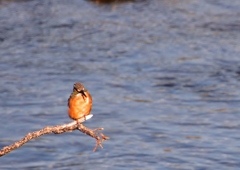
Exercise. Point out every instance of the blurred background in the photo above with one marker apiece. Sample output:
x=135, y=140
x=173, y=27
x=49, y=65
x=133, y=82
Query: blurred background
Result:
x=164, y=76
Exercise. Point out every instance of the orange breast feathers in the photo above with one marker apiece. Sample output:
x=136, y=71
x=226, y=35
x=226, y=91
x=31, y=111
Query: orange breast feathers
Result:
x=79, y=105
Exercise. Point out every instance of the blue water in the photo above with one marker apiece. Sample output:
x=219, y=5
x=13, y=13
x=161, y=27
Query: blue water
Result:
x=164, y=77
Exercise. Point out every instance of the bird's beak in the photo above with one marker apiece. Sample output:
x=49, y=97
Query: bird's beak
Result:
x=82, y=91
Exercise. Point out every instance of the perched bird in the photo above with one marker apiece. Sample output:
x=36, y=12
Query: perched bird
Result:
x=79, y=102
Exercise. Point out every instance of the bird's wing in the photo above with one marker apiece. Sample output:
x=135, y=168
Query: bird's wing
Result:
x=69, y=101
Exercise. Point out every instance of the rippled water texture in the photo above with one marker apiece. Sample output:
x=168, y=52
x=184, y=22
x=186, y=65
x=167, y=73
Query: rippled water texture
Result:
x=164, y=76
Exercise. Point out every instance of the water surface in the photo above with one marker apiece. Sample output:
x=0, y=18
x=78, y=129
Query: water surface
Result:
x=164, y=76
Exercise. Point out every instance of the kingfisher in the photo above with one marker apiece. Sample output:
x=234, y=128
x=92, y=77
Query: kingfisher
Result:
x=79, y=102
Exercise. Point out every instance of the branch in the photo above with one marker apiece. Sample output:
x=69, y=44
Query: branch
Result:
x=75, y=125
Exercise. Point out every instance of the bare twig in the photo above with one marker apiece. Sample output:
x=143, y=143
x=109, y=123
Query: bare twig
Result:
x=57, y=130
x=100, y=137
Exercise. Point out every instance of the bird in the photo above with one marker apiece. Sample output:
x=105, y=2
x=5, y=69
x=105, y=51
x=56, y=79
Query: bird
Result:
x=79, y=102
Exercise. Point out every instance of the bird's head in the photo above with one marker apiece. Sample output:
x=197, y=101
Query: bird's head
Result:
x=79, y=88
